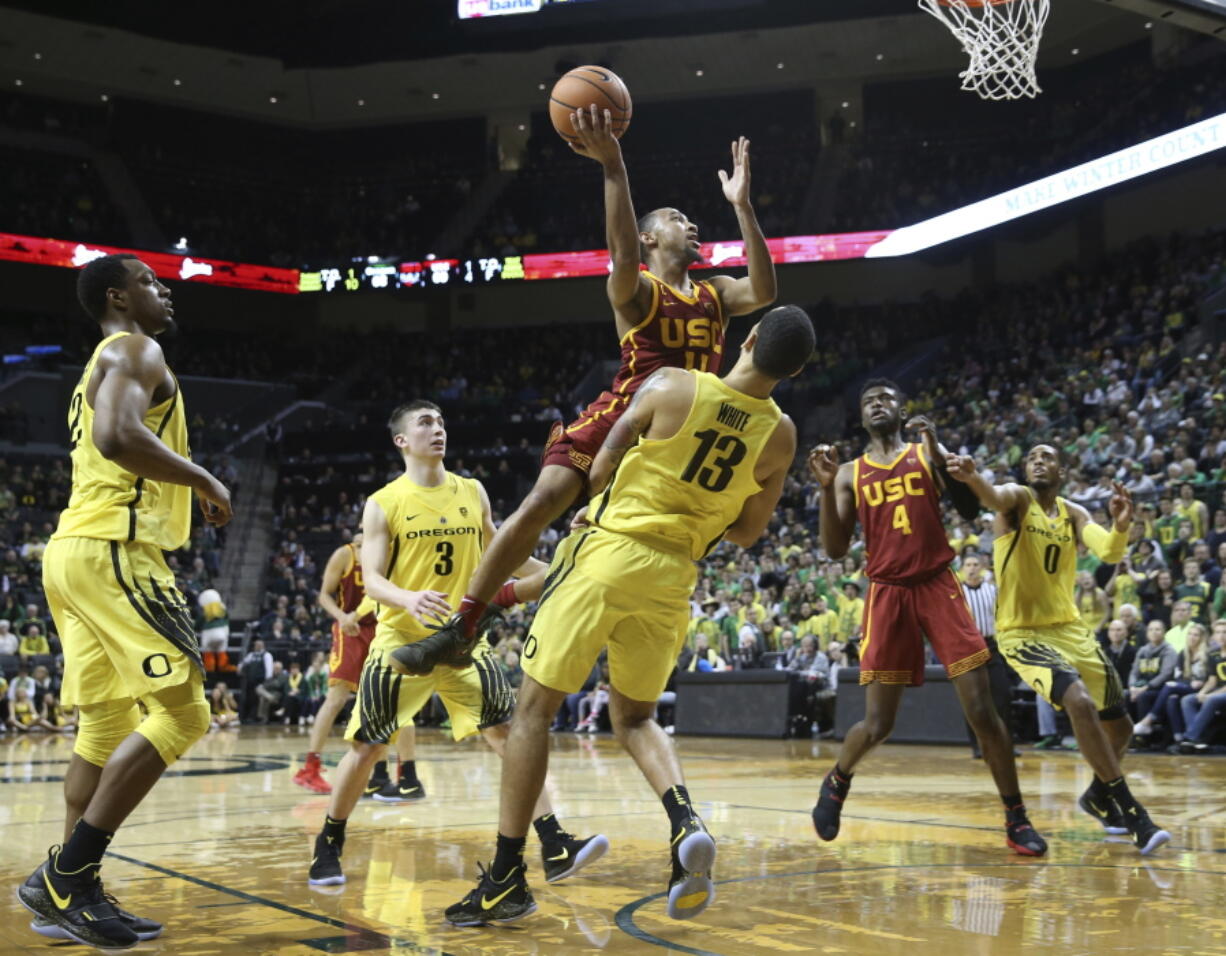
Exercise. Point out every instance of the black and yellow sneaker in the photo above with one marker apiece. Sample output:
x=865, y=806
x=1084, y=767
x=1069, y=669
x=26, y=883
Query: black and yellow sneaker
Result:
x=829, y=808
x=1146, y=834
x=690, y=888
x=1104, y=810
x=76, y=903
x=447, y=645
x=145, y=929
x=375, y=784
x=400, y=792
x=494, y=901
x=569, y=854
x=326, y=864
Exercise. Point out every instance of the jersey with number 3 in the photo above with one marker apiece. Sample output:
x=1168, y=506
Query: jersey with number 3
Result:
x=1036, y=569
x=899, y=506
x=435, y=538
x=681, y=494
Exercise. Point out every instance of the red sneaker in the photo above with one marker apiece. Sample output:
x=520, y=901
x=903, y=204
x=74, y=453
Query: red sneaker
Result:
x=310, y=778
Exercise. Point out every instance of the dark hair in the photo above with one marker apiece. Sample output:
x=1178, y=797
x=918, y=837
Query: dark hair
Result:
x=105, y=272
x=882, y=383
x=785, y=342
x=393, y=423
x=646, y=223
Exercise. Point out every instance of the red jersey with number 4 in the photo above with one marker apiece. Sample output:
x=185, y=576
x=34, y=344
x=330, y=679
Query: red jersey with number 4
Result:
x=352, y=589
x=900, y=511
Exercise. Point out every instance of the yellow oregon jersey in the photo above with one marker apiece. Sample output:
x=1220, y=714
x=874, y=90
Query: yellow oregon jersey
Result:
x=1036, y=570
x=436, y=538
x=680, y=494
x=112, y=503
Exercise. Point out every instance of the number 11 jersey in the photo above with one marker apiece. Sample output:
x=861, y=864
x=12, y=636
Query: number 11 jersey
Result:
x=1036, y=569
x=681, y=494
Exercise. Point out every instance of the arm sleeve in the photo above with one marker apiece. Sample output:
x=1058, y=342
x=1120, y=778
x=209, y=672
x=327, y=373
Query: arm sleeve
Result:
x=1109, y=546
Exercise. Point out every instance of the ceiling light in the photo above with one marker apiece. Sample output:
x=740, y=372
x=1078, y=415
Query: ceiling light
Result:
x=361, y=102
x=434, y=96
x=522, y=127
x=272, y=99
x=18, y=82
x=778, y=66
x=880, y=56
x=38, y=56
x=540, y=86
x=846, y=104
x=104, y=98
x=698, y=72
x=1076, y=51
x=178, y=82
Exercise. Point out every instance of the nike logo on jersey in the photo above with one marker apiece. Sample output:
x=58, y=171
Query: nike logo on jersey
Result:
x=411, y=517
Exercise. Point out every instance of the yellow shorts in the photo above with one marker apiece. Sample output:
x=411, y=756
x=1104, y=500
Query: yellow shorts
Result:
x=606, y=589
x=1052, y=657
x=126, y=629
x=476, y=697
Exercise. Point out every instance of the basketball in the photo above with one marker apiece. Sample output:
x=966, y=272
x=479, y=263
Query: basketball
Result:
x=580, y=89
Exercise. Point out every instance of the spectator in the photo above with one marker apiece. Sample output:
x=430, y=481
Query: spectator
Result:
x=273, y=692
x=1153, y=666
x=704, y=657
x=1181, y=621
x=8, y=640
x=1202, y=708
x=222, y=708
x=33, y=641
x=1188, y=679
x=1120, y=652
x=1194, y=592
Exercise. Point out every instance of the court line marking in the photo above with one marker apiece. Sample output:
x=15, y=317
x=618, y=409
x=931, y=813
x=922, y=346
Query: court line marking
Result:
x=625, y=916
x=362, y=931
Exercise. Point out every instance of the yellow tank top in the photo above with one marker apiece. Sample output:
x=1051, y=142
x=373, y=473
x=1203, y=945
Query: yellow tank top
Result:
x=681, y=494
x=111, y=503
x=436, y=537
x=1036, y=570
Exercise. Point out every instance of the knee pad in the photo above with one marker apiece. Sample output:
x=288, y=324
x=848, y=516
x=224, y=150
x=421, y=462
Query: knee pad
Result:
x=178, y=717
x=103, y=727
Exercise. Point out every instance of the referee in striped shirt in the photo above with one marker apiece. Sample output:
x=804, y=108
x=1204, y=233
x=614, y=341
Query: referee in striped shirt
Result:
x=981, y=596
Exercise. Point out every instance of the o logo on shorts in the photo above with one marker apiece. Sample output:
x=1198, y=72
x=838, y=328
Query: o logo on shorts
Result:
x=530, y=648
x=159, y=661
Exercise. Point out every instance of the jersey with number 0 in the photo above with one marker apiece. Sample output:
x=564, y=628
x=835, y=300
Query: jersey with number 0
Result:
x=680, y=494
x=1036, y=569
x=435, y=541
x=899, y=506
x=112, y=503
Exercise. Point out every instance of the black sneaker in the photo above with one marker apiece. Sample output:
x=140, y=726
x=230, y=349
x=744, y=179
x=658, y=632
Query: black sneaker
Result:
x=830, y=805
x=1020, y=836
x=1104, y=811
x=447, y=645
x=145, y=929
x=326, y=864
x=76, y=904
x=400, y=792
x=1147, y=835
x=375, y=785
x=494, y=902
x=568, y=855
x=690, y=889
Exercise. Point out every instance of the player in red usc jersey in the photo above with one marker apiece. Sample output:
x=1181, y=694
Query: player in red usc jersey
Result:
x=894, y=490
x=663, y=318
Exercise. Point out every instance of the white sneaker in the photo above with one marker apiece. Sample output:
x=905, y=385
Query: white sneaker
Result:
x=1141, y=729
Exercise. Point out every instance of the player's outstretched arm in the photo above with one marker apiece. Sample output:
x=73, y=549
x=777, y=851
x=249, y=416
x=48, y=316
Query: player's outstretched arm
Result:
x=334, y=570
x=624, y=435
x=132, y=369
x=756, y=513
x=1109, y=546
x=426, y=606
x=758, y=289
x=837, y=514
x=596, y=139
x=963, y=499
x=1004, y=499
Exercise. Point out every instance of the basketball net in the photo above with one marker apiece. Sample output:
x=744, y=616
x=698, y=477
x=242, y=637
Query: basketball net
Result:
x=1002, y=39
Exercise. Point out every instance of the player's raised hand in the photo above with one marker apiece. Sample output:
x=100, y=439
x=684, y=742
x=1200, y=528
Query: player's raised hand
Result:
x=823, y=464
x=596, y=140
x=736, y=186
x=428, y=606
x=961, y=467
x=1120, y=506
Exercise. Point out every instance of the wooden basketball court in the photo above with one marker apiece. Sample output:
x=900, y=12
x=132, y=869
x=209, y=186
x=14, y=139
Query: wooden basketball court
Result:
x=220, y=850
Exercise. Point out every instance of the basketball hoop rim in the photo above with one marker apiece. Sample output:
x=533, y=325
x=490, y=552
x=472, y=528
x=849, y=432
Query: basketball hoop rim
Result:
x=974, y=3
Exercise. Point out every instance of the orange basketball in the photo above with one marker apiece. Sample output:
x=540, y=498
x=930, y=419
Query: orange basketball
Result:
x=579, y=89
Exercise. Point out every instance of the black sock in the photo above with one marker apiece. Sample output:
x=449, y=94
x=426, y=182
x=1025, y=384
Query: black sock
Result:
x=1099, y=789
x=507, y=857
x=1012, y=801
x=1118, y=791
x=334, y=831
x=380, y=771
x=677, y=805
x=84, y=848
x=408, y=771
x=548, y=830
x=841, y=775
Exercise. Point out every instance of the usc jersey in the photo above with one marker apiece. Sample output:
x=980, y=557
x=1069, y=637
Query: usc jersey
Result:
x=681, y=494
x=899, y=509
x=436, y=539
x=1036, y=569
x=351, y=591
x=111, y=503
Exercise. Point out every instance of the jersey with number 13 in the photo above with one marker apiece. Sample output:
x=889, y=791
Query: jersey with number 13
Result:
x=1036, y=569
x=899, y=506
x=435, y=539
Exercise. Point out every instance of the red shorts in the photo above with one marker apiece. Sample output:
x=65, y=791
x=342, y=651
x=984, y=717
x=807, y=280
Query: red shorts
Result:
x=348, y=654
x=574, y=446
x=897, y=618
